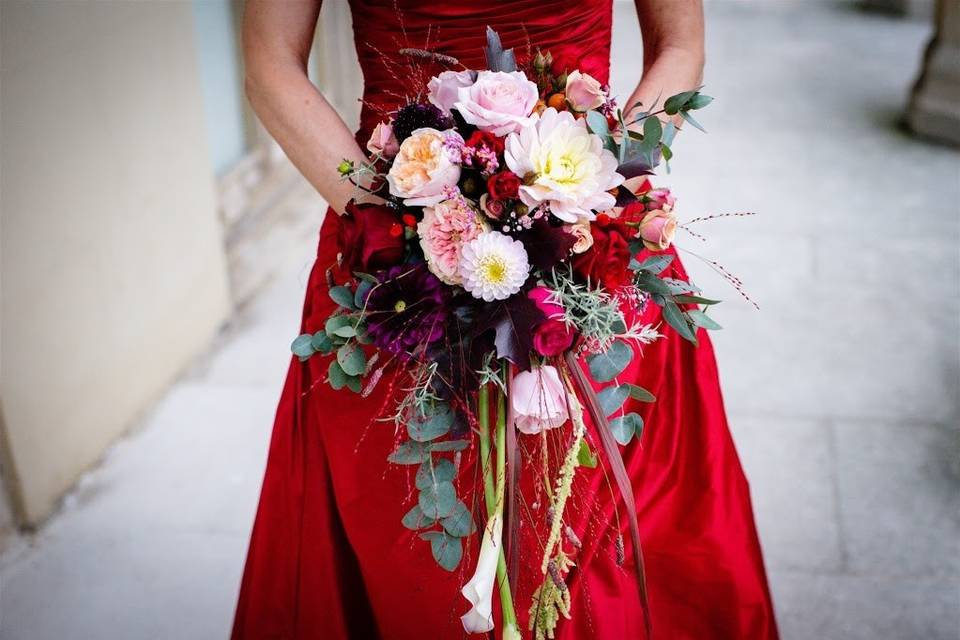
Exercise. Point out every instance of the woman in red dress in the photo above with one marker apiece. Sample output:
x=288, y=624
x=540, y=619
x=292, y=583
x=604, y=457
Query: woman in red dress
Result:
x=329, y=557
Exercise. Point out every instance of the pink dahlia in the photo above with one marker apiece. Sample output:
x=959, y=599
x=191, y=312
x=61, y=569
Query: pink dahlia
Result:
x=445, y=228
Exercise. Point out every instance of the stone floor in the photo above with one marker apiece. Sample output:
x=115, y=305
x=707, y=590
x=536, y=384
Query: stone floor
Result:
x=842, y=390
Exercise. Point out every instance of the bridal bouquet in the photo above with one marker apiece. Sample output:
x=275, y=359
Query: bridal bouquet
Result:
x=505, y=253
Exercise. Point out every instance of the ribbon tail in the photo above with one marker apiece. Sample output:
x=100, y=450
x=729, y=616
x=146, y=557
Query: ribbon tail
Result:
x=612, y=451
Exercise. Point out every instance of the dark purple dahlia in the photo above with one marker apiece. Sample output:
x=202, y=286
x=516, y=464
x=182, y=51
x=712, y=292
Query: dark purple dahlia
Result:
x=417, y=116
x=408, y=310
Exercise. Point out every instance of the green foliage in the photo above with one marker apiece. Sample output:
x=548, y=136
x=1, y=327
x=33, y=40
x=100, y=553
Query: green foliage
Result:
x=430, y=427
x=612, y=398
x=351, y=359
x=437, y=500
x=460, y=521
x=586, y=457
x=606, y=366
x=302, y=346
x=701, y=319
x=625, y=427
x=447, y=550
x=409, y=452
x=676, y=319
x=343, y=296
x=640, y=394
x=415, y=519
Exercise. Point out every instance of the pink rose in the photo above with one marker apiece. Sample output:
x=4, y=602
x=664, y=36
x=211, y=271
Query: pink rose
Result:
x=538, y=399
x=443, y=90
x=498, y=102
x=659, y=199
x=553, y=336
x=382, y=141
x=657, y=229
x=584, y=92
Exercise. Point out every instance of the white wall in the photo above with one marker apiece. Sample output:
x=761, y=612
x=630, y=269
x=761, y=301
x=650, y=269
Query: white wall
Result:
x=112, y=262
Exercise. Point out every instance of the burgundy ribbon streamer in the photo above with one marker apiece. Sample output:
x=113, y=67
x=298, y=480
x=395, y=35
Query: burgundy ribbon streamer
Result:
x=612, y=451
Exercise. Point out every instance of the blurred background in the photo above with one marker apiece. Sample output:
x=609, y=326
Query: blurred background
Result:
x=156, y=243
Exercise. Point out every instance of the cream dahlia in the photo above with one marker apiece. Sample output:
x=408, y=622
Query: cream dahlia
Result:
x=443, y=231
x=493, y=266
x=563, y=165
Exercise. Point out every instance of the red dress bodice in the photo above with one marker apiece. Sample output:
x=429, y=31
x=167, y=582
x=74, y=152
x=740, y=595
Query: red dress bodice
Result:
x=577, y=32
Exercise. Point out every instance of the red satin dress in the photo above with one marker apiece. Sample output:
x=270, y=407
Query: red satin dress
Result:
x=329, y=557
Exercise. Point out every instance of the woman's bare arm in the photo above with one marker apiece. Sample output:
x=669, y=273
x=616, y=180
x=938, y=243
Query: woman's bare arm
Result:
x=673, y=50
x=277, y=37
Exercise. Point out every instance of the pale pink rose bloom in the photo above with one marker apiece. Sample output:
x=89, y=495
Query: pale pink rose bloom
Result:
x=382, y=141
x=584, y=91
x=445, y=228
x=443, y=90
x=498, y=102
x=580, y=231
x=424, y=170
x=538, y=399
x=657, y=229
x=660, y=199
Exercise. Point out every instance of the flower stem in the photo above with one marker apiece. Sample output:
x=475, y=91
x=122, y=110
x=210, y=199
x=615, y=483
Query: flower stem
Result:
x=494, y=495
x=506, y=598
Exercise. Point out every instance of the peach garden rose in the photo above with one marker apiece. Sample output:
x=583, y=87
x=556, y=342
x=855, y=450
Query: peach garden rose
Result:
x=424, y=170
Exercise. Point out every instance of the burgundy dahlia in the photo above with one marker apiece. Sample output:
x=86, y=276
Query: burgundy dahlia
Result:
x=407, y=311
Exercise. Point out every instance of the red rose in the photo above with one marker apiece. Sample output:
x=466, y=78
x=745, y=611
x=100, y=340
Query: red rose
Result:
x=485, y=139
x=607, y=261
x=367, y=237
x=553, y=336
x=503, y=186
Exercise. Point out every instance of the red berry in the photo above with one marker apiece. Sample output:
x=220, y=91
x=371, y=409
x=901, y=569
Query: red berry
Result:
x=603, y=219
x=409, y=220
x=396, y=230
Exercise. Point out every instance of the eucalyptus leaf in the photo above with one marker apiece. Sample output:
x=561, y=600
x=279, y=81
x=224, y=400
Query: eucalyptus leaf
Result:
x=701, y=319
x=640, y=394
x=652, y=130
x=338, y=377
x=354, y=384
x=650, y=283
x=342, y=296
x=669, y=132
x=447, y=550
x=597, y=122
x=426, y=428
x=680, y=286
x=460, y=522
x=674, y=104
x=434, y=472
x=612, y=398
x=606, y=366
x=336, y=323
x=674, y=317
x=415, y=519
x=693, y=121
x=302, y=346
x=351, y=359
x=656, y=263
x=687, y=299
x=360, y=297
x=438, y=500
x=409, y=452
x=321, y=342
x=625, y=427
x=698, y=101
x=448, y=445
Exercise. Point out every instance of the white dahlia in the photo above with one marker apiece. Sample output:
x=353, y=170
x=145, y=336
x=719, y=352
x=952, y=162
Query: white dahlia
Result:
x=493, y=266
x=563, y=165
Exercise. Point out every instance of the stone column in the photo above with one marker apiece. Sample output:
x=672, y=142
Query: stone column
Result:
x=934, y=109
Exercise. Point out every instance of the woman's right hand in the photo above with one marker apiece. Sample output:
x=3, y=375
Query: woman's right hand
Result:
x=277, y=37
